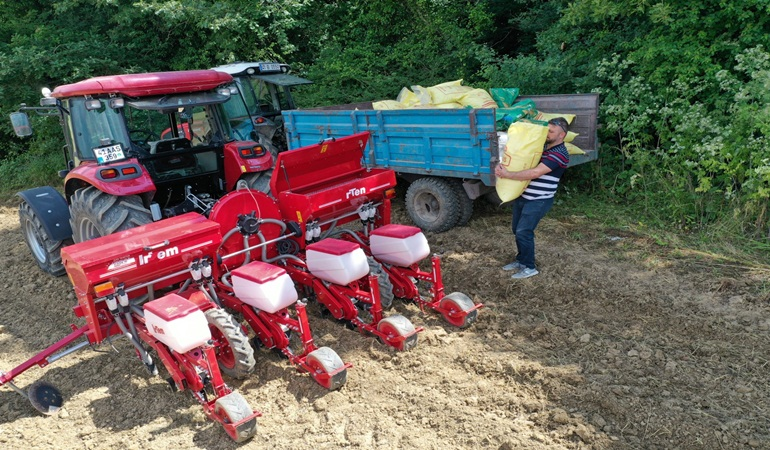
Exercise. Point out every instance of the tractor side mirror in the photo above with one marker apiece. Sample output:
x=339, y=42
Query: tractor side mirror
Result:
x=20, y=122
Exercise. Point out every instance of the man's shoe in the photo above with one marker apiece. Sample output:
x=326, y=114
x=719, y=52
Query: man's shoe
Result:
x=525, y=273
x=517, y=266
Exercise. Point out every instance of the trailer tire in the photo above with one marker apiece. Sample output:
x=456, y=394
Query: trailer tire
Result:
x=432, y=204
x=234, y=353
x=234, y=408
x=465, y=203
x=45, y=250
x=492, y=198
x=325, y=361
x=259, y=181
x=94, y=213
x=383, y=280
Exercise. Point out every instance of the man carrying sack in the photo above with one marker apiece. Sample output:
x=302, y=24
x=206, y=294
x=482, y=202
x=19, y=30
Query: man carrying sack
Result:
x=537, y=198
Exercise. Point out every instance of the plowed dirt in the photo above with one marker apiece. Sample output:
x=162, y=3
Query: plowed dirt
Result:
x=618, y=343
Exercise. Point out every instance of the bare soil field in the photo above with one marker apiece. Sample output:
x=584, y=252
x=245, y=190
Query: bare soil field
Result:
x=619, y=343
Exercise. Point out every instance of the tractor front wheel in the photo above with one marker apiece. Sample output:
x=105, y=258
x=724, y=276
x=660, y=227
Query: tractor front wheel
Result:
x=432, y=204
x=94, y=213
x=47, y=252
x=234, y=353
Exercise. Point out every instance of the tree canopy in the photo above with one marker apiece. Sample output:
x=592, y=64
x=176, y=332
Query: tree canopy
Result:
x=684, y=85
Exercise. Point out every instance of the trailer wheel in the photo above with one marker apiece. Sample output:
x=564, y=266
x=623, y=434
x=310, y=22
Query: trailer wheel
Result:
x=395, y=326
x=46, y=251
x=324, y=361
x=259, y=181
x=432, y=204
x=234, y=408
x=493, y=199
x=234, y=353
x=465, y=204
x=457, y=302
x=383, y=280
x=94, y=213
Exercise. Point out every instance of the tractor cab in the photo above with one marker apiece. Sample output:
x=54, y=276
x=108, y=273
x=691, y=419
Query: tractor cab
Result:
x=265, y=89
x=140, y=147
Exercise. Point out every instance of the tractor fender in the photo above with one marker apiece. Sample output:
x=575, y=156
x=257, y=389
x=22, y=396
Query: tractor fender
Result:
x=52, y=210
x=85, y=175
x=235, y=165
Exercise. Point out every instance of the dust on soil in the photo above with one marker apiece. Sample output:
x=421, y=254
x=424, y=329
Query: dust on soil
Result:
x=618, y=343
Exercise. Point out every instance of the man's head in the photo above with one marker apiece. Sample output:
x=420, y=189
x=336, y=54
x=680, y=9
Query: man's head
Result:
x=557, y=131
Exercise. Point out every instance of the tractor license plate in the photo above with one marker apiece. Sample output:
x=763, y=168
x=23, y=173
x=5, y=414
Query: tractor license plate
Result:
x=272, y=67
x=109, y=154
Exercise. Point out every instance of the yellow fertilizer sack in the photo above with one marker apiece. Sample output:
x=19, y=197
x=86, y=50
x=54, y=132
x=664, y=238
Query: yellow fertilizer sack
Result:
x=571, y=135
x=522, y=152
x=449, y=92
x=387, y=104
x=573, y=149
x=478, y=98
x=448, y=106
x=407, y=98
x=545, y=117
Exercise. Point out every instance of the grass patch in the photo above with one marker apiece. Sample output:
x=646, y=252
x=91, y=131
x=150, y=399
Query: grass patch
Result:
x=29, y=170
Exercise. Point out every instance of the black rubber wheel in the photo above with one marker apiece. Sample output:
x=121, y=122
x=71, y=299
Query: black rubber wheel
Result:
x=383, y=280
x=46, y=251
x=259, y=181
x=234, y=408
x=432, y=204
x=465, y=203
x=325, y=361
x=235, y=355
x=94, y=213
x=492, y=198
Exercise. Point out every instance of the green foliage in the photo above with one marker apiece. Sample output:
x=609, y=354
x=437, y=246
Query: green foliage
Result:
x=684, y=86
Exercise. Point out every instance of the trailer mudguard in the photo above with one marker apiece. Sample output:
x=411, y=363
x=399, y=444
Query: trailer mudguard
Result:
x=49, y=205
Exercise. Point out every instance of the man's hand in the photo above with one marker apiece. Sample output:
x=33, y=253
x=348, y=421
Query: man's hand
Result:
x=522, y=175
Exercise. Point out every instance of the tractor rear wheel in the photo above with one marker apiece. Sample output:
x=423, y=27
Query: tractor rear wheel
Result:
x=259, y=181
x=234, y=353
x=234, y=408
x=47, y=252
x=383, y=280
x=94, y=213
x=324, y=361
x=432, y=204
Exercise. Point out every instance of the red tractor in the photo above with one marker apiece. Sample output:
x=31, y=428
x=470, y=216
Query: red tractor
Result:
x=139, y=148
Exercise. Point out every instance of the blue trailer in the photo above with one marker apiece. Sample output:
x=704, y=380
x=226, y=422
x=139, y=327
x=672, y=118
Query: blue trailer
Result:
x=447, y=155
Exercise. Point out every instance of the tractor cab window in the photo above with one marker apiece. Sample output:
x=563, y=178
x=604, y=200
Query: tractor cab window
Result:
x=190, y=117
x=262, y=99
x=95, y=127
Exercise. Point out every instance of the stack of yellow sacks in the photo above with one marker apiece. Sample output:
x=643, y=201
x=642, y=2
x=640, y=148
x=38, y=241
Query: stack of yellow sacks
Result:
x=453, y=95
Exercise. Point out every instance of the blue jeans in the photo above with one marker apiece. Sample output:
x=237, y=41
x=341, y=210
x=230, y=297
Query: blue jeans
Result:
x=526, y=216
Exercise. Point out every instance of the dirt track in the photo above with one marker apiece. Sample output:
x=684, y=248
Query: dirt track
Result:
x=619, y=343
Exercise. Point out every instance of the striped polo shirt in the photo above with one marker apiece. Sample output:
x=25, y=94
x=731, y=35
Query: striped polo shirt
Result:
x=556, y=158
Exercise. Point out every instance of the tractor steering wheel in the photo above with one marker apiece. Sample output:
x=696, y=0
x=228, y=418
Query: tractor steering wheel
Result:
x=143, y=138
